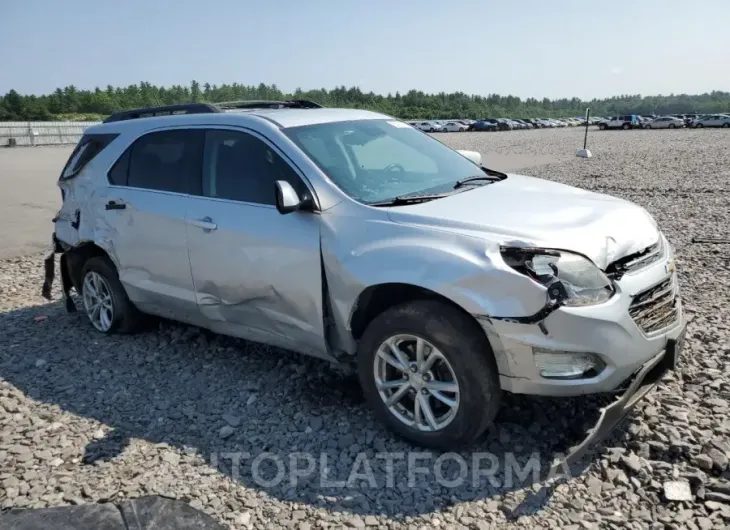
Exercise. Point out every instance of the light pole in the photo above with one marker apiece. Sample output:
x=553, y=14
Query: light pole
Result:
x=585, y=153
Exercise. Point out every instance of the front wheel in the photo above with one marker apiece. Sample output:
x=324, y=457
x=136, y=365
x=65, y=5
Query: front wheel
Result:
x=626, y=126
x=429, y=373
x=648, y=126
x=672, y=126
x=699, y=126
x=602, y=126
x=725, y=125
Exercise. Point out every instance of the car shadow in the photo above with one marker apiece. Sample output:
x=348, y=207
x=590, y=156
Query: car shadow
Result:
x=251, y=411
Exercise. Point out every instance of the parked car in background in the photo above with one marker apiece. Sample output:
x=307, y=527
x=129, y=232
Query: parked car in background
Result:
x=715, y=120
x=625, y=121
x=443, y=282
x=453, y=126
x=525, y=124
x=504, y=124
x=428, y=126
x=483, y=125
x=665, y=122
x=501, y=126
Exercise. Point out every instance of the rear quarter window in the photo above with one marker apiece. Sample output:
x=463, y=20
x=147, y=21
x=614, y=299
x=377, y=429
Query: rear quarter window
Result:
x=86, y=150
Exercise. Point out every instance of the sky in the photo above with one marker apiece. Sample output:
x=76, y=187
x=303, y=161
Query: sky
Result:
x=526, y=48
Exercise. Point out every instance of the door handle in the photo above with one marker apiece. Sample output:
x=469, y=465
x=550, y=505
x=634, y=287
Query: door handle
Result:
x=113, y=205
x=206, y=223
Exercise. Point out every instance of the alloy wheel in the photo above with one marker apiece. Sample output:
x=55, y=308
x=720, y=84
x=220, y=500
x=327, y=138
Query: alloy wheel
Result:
x=98, y=302
x=416, y=382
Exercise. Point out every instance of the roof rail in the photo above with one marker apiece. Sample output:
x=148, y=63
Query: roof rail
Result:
x=207, y=108
x=167, y=110
x=266, y=104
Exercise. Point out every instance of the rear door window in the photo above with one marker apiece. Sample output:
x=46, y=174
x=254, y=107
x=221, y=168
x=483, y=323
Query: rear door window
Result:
x=164, y=161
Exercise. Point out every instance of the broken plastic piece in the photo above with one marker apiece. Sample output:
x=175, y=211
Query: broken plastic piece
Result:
x=717, y=240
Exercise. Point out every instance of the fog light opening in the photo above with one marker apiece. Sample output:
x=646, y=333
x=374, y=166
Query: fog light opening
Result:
x=553, y=364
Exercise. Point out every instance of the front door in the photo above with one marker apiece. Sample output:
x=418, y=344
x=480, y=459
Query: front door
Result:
x=143, y=222
x=257, y=273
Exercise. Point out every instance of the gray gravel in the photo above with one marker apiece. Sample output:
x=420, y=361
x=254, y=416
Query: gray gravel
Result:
x=87, y=418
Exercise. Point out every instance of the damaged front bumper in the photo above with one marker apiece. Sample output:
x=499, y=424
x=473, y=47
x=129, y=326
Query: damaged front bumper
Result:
x=638, y=386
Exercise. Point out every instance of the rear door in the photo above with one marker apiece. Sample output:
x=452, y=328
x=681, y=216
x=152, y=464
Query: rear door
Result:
x=144, y=209
x=257, y=272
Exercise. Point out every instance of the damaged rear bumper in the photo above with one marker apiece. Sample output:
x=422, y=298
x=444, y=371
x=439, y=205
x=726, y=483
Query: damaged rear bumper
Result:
x=638, y=386
x=49, y=268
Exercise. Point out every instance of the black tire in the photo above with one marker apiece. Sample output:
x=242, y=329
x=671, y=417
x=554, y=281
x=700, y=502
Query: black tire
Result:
x=725, y=125
x=648, y=126
x=626, y=126
x=126, y=317
x=602, y=126
x=699, y=126
x=468, y=352
x=672, y=126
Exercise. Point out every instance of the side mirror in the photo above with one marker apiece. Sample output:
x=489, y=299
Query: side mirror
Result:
x=474, y=156
x=287, y=200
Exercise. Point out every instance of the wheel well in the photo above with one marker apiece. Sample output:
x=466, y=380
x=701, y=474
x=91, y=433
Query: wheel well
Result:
x=77, y=257
x=378, y=298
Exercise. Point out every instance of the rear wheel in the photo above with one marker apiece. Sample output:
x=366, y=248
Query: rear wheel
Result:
x=672, y=126
x=725, y=125
x=648, y=125
x=699, y=126
x=105, y=300
x=429, y=373
x=626, y=126
x=602, y=126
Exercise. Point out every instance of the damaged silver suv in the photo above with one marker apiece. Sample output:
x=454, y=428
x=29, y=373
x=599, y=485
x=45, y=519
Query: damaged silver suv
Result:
x=350, y=235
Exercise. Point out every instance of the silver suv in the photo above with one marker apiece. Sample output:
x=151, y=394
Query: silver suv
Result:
x=352, y=236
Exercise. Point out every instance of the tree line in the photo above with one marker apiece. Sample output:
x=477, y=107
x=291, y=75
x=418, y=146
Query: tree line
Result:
x=72, y=103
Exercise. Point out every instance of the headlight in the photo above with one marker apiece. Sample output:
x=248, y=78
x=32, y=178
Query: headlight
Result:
x=571, y=279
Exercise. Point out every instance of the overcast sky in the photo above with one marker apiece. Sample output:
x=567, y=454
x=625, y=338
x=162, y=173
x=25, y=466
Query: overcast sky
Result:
x=527, y=48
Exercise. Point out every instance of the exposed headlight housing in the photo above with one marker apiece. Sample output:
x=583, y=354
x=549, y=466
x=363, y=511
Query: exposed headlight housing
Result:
x=571, y=279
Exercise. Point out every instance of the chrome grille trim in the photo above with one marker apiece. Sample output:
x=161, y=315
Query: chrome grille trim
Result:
x=637, y=261
x=656, y=308
x=644, y=258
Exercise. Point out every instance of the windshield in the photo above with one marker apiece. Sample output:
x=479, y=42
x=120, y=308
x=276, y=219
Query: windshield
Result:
x=377, y=160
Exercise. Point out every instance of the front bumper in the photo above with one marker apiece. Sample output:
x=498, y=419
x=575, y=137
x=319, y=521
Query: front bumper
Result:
x=638, y=386
x=606, y=331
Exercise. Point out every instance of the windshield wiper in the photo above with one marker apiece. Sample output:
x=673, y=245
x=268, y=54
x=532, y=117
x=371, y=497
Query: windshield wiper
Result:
x=489, y=174
x=409, y=199
x=468, y=180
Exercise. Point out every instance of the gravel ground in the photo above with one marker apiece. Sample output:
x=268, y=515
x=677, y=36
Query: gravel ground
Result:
x=88, y=418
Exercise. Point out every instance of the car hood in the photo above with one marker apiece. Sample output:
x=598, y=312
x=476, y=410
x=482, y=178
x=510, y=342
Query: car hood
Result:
x=528, y=211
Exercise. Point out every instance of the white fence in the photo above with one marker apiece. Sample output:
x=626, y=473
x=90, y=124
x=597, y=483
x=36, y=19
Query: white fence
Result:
x=33, y=133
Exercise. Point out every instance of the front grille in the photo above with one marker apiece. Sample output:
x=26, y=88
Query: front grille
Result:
x=636, y=261
x=656, y=308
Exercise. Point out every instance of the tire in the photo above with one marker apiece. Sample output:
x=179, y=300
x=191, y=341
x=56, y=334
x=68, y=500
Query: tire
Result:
x=125, y=318
x=470, y=363
x=699, y=126
x=672, y=126
x=725, y=125
x=648, y=125
x=602, y=126
x=626, y=126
